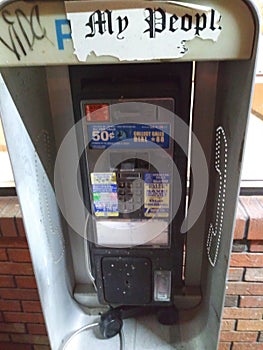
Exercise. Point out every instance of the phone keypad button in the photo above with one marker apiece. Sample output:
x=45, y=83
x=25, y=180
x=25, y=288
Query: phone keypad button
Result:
x=130, y=196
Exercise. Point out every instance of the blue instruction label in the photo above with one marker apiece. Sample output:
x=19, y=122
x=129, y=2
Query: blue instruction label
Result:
x=102, y=136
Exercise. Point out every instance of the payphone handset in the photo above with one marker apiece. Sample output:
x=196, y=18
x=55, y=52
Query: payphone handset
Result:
x=129, y=158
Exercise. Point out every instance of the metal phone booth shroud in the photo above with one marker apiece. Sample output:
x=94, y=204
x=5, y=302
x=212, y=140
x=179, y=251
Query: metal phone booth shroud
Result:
x=61, y=61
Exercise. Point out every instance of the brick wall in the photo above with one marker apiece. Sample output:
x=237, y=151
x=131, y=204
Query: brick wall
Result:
x=21, y=321
x=242, y=326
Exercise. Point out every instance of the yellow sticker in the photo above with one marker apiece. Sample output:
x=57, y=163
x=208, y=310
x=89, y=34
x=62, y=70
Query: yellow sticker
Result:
x=156, y=195
x=103, y=178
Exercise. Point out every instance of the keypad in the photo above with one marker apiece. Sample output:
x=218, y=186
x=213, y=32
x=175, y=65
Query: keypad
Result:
x=130, y=194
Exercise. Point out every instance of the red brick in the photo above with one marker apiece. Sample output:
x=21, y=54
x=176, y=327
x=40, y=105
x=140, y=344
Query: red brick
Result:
x=19, y=294
x=11, y=268
x=254, y=275
x=241, y=222
x=17, y=242
x=34, y=328
x=228, y=325
x=235, y=274
x=247, y=346
x=26, y=282
x=251, y=301
x=254, y=210
x=244, y=288
x=31, y=306
x=242, y=313
x=29, y=338
x=4, y=337
x=7, y=281
x=10, y=305
x=12, y=328
x=19, y=255
x=239, y=336
x=20, y=225
x=224, y=346
x=3, y=255
x=14, y=346
x=250, y=325
x=256, y=246
x=41, y=347
x=23, y=317
x=8, y=227
x=246, y=260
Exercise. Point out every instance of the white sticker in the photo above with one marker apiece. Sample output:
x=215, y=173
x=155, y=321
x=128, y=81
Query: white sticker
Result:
x=143, y=33
x=104, y=192
x=130, y=233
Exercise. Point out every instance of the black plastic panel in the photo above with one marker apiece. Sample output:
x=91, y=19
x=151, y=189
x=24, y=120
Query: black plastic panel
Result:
x=127, y=280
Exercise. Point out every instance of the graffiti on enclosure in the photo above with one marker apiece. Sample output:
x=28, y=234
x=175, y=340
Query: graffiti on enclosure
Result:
x=23, y=30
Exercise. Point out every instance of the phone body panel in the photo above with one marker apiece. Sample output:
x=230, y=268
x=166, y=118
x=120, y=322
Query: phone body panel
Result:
x=159, y=264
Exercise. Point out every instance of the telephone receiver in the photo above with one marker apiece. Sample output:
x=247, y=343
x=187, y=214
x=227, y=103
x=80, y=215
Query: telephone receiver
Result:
x=111, y=322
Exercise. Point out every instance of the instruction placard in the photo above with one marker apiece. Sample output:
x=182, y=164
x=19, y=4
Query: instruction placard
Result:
x=102, y=136
x=156, y=195
x=104, y=189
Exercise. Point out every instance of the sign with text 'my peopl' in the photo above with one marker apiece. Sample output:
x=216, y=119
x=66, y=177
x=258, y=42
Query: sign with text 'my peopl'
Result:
x=140, y=33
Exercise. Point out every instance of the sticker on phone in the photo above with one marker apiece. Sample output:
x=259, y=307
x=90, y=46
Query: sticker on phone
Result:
x=96, y=112
x=104, y=192
x=129, y=135
x=156, y=195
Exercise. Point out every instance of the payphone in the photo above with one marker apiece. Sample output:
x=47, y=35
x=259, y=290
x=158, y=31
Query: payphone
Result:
x=63, y=62
x=130, y=182
x=131, y=203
